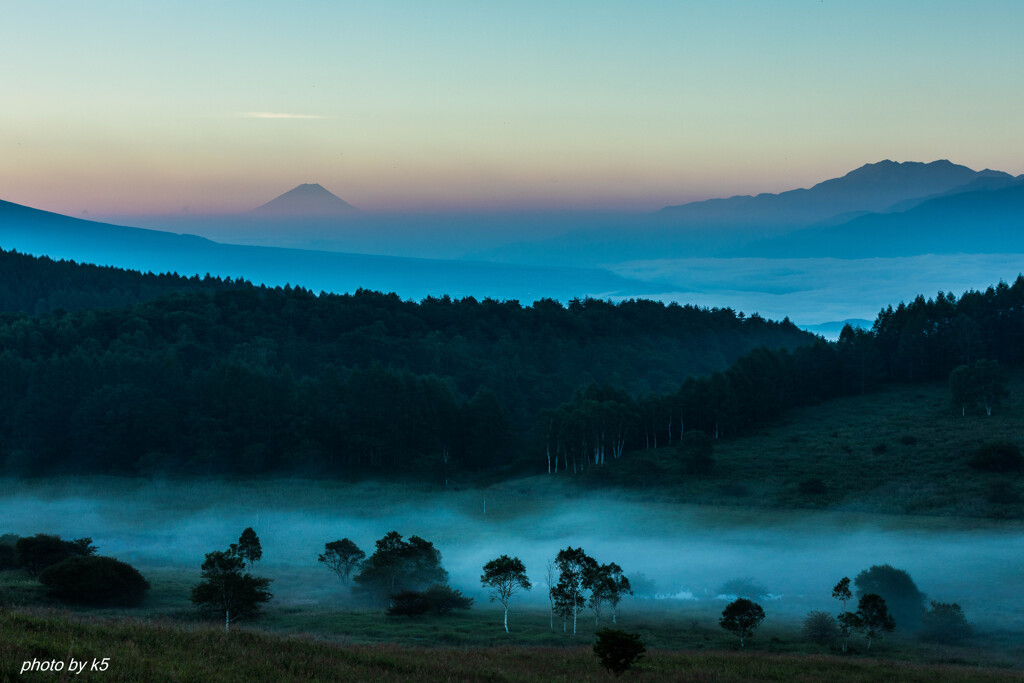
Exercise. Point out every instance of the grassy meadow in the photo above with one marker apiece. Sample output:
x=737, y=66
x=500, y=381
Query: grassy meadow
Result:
x=167, y=651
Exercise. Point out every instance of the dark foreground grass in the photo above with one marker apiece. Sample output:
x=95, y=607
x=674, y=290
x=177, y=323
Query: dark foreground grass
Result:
x=163, y=651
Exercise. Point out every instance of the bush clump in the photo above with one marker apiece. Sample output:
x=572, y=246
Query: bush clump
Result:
x=820, y=627
x=945, y=623
x=438, y=598
x=618, y=650
x=95, y=580
x=998, y=456
x=408, y=604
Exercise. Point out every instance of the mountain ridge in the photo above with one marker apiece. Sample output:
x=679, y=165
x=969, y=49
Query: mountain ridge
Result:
x=39, y=232
x=872, y=187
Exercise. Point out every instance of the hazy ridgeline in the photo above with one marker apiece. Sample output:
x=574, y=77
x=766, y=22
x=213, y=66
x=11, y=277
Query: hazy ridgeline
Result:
x=685, y=553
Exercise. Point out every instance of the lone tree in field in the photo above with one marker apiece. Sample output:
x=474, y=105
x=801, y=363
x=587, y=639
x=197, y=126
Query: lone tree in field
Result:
x=618, y=650
x=873, y=617
x=847, y=620
x=741, y=617
x=574, y=566
x=227, y=589
x=248, y=548
x=341, y=557
x=505, y=576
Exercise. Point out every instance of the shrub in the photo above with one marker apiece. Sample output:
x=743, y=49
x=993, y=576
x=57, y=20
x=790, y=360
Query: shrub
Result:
x=880, y=448
x=36, y=553
x=945, y=623
x=408, y=604
x=618, y=650
x=443, y=599
x=439, y=599
x=908, y=440
x=95, y=580
x=820, y=627
x=998, y=456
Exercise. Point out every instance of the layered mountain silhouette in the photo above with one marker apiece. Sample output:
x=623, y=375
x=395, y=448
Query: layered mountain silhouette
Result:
x=882, y=209
x=870, y=188
x=42, y=233
x=975, y=222
x=309, y=200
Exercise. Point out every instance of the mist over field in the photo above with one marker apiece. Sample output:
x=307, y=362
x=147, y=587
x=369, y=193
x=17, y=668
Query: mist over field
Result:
x=688, y=552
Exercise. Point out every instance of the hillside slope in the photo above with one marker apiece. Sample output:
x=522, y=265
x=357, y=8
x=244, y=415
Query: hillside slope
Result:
x=901, y=450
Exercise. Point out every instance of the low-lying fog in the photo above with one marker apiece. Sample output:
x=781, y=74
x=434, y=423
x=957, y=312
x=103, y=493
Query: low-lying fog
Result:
x=686, y=551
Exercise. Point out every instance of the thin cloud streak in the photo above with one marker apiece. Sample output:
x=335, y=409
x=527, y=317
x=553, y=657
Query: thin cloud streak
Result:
x=275, y=115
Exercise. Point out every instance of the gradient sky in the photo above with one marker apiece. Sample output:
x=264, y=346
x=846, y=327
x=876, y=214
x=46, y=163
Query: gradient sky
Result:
x=149, y=107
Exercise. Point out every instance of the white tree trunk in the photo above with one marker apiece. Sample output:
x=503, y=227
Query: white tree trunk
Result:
x=506, y=619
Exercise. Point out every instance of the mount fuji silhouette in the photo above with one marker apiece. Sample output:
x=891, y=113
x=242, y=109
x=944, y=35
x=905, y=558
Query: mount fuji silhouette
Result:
x=308, y=199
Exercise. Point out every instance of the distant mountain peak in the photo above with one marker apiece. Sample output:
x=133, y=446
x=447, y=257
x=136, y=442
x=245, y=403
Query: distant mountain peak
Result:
x=870, y=188
x=307, y=199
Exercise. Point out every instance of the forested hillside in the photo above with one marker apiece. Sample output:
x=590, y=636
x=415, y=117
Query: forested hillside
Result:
x=39, y=285
x=225, y=377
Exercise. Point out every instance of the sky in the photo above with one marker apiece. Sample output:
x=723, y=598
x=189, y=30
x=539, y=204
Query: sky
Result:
x=122, y=108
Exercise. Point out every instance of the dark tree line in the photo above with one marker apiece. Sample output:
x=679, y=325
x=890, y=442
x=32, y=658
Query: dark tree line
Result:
x=34, y=285
x=223, y=377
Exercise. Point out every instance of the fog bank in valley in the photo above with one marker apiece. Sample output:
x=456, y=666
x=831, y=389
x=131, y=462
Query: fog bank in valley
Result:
x=688, y=552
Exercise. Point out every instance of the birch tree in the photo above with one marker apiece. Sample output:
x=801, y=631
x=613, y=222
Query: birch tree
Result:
x=847, y=620
x=505, y=576
x=573, y=568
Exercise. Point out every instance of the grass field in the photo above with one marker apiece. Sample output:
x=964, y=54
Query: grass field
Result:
x=165, y=651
